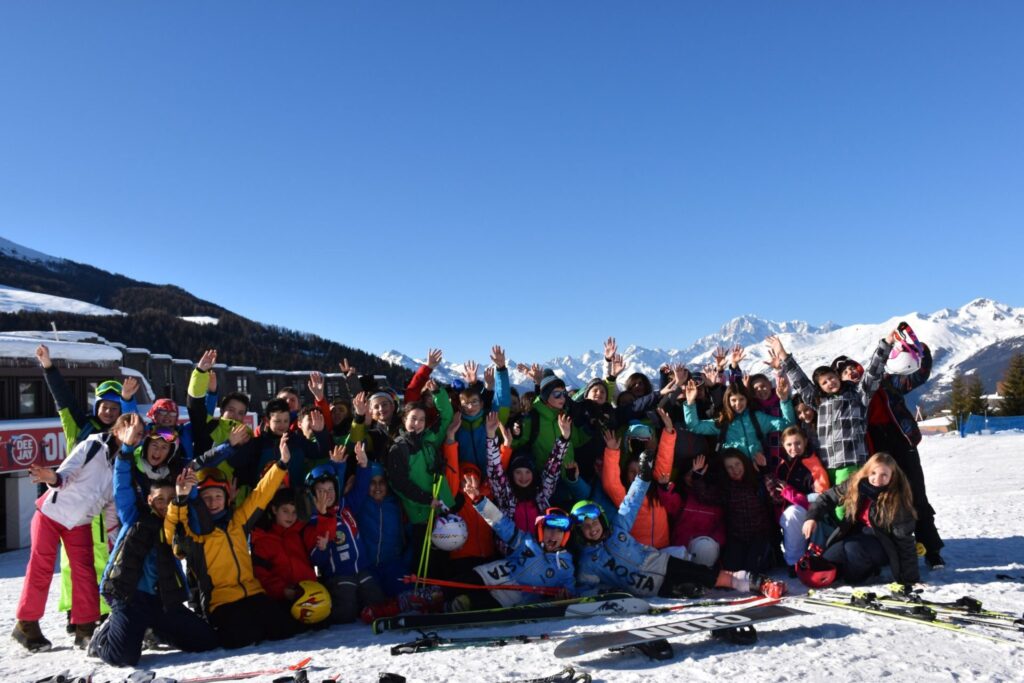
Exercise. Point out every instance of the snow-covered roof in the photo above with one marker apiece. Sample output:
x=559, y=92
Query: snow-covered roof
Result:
x=72, y=353
x=241, y=368
x=47, y=336
x=160, y=356
x=136, y=349
x=180, y=361
x=15, y=300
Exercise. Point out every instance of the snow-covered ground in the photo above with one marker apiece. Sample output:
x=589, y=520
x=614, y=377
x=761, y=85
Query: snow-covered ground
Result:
x=976, y=485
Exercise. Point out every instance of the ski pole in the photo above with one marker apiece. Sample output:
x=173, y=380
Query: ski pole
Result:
x=425, y=549
x=552, y=591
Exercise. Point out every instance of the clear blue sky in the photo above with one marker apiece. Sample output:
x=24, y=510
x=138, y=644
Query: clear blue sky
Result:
x=540, y=174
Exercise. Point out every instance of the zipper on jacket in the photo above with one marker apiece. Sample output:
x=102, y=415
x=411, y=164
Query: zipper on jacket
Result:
x=238, y=566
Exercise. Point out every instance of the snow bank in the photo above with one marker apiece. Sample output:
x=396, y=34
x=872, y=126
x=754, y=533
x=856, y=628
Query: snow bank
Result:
x=15, y=300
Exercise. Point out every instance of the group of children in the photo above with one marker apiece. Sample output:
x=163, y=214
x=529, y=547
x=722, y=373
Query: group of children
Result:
x=315, y=517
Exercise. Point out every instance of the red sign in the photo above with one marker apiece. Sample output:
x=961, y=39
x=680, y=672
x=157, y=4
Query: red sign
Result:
x=31, y=442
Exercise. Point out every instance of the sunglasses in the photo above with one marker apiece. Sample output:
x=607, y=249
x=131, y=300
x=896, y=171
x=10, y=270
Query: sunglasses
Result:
x=588, y=511
x=558, y=393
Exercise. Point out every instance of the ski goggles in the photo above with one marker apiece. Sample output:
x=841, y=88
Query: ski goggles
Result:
x=211, y=476
x=586, y=510
x=556, y=518
x=901, y=346
x=110, y=386
x=168, y=435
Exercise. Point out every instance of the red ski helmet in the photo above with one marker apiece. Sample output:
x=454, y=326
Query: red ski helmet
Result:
x=554, y=518
x=813, y=570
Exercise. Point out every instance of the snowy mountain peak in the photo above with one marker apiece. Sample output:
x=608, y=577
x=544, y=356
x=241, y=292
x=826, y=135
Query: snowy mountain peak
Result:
x=14, y=250
x=956, y=337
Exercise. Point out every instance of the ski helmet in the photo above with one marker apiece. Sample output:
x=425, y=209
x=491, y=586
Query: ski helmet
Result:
x=213, y=478
x=321, y=473
x=813, y=570
x=841, y=363
x=905, y=358
x=109, y=390
x=588, y=509
x=313, y=604
x=450, y=532
x=162, y=404
x=554, y=518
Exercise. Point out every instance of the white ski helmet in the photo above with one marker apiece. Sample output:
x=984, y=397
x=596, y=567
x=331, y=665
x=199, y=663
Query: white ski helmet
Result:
x=449, y=532
x=904, y=359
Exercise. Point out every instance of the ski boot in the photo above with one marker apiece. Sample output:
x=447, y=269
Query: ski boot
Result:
x=83, y=634
x=31, y=638
x=759, y=583
x=389, y=608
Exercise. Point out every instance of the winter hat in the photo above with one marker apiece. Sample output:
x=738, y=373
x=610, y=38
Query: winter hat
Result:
x=843, y=362
x=549, y=383
x=165, y=404
x=376, y=470
x=522, y=458
x=638, y=430
x=596, y=382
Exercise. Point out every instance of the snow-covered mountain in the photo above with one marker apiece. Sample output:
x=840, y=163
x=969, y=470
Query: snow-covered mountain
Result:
x=13, y=250
x=977, y=337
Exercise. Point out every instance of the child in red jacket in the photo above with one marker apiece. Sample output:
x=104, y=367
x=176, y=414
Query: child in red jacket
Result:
x=280, y=557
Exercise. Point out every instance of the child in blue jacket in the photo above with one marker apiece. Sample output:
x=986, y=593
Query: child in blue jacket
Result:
x=540, y=560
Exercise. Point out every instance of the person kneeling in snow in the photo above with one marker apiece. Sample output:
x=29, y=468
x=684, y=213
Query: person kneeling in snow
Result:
x=143, y=583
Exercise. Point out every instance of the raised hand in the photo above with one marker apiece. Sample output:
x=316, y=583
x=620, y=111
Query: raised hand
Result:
x=316, y=421
x=360, y=404
x=775, y=346
x=664, y=479
x=721, y=357
x=700, y=464
x=212, y=386
x=611, y=442
x=711, y=375
x=506, y=438
x=782, y=387
x=347, y=369
x=491, y=424
x=43, y=356
x=565, y=425
x=130, y=433
x=42, y=475
x=469, y=371
x=434, y=358
x=339, y=454
x=618, y=365
x=681, y=374
x=690, y=392
x=537, y=373
x=498, y=356
x=362, y=459
x=453, y=426
x=893, y=336
x=610, y=349
x=737, y=355
x=321, y=500
x=471, y=487
x=430, y=386
x=665, y=420
x=316, y=385
x=184, y=482
x=774, y=360
x=129, y=387
x=207, y=360
x=489, y=378
x=286, y=454
x=239, y=435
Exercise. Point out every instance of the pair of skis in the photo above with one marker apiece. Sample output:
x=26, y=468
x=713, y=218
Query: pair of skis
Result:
x=950, y=616
x=610, y=604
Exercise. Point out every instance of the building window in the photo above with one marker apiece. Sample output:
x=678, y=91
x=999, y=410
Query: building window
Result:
x=29, y=403
x=242, y=384
x=271, y=387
